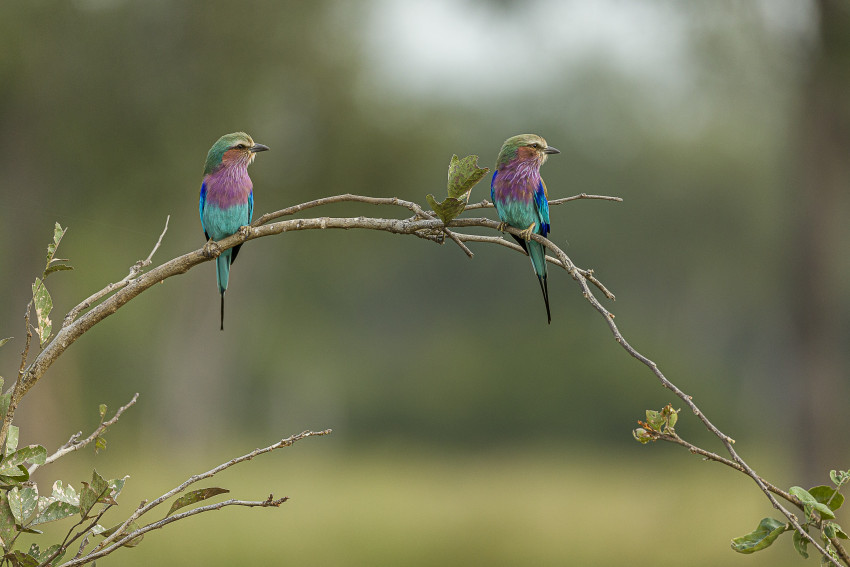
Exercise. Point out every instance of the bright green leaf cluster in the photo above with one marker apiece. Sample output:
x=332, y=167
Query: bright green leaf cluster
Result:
x=819, y=506
x=22, y=508
x=463, y=175
x=657, y=423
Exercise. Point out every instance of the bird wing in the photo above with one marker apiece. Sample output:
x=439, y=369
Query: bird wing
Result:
x=250, y=207
x=201, y=207
x=542, y=203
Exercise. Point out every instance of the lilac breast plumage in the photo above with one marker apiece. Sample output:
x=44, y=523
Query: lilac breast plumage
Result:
x=227, y=187
x=516, y=182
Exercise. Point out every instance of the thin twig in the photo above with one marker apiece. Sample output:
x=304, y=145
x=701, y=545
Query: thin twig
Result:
x=688, y=400
x=486, y=204
x=588, y=274
x=350, y=197
x=708, y=455
x=99, y=552
x=135, y=270
x=71, y=539
x=15, y=391
x=147, y=506
x=74, y=445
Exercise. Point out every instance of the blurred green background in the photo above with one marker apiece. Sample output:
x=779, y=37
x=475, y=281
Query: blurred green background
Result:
x=466, y=431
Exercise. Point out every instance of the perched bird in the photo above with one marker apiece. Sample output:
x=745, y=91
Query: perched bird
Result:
x=520, y=196
x=227, y=197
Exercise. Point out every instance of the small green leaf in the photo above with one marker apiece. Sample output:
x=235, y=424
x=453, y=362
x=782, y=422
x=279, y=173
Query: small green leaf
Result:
x=20, y=559
x=58, y=233
x=116, y=485
x=65, y=493
x=98, y=484
x=42, y=556
x=655, y=420
x=104, y=489
x=463, y=175
x=672, y=418
x=43, y=304
x=448, y=209
x=801, y=544
x=827, y=495
x=23, y=502
x=12, y=440
x=642, y=435
x=54, y=511
x=102, y=409
x=16, y=505
x=7, y=521
x=767, y=531
x=810, y=503
x=34, y=454
x=831, y=530
x=6, y=340
x=5, y=399
x=99, y=444
x=28, y=530
x=50, y=551
x=57, y=268
x=195, y=496
x=802, y=494
x=823, y=510
x=88, y=498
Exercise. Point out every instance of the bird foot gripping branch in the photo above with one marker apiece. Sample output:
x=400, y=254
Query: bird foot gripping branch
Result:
x=211, y=249
x=526, y=234
x=244, y=232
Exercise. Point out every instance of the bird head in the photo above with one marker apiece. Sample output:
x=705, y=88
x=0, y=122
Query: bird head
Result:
x=525, y=147
x=237, y=148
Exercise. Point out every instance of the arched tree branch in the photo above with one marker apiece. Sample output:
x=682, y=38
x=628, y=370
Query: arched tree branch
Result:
x=423, y=225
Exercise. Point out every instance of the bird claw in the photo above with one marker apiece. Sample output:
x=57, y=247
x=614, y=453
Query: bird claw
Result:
x=211, y=249
x=244, y=232
x=502, y=226
x=526, y=234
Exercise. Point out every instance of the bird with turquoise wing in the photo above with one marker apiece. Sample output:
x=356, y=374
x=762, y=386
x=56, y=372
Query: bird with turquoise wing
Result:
x=521, y=199
x=227, y=197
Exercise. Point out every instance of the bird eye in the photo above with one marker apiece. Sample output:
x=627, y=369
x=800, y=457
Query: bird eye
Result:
x=241, y=146
x=535, y=145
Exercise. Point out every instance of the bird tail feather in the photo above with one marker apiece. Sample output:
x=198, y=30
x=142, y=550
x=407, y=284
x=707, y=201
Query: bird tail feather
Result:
x=222, y=264
x=222, y=274
x=537, y=253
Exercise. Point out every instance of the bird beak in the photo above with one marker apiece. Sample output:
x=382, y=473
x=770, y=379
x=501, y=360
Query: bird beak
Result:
x=258, y=148
x=551, y=150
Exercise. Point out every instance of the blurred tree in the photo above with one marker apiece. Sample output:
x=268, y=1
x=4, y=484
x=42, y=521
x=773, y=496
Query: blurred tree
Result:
x=818, y=257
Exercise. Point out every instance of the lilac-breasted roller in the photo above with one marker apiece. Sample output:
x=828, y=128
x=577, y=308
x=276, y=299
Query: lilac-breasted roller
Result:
x=520, y=196
x=227, y=197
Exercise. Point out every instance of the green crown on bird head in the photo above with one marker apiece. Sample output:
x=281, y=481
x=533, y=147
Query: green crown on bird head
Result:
x=237, y=146
x=525, y=147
